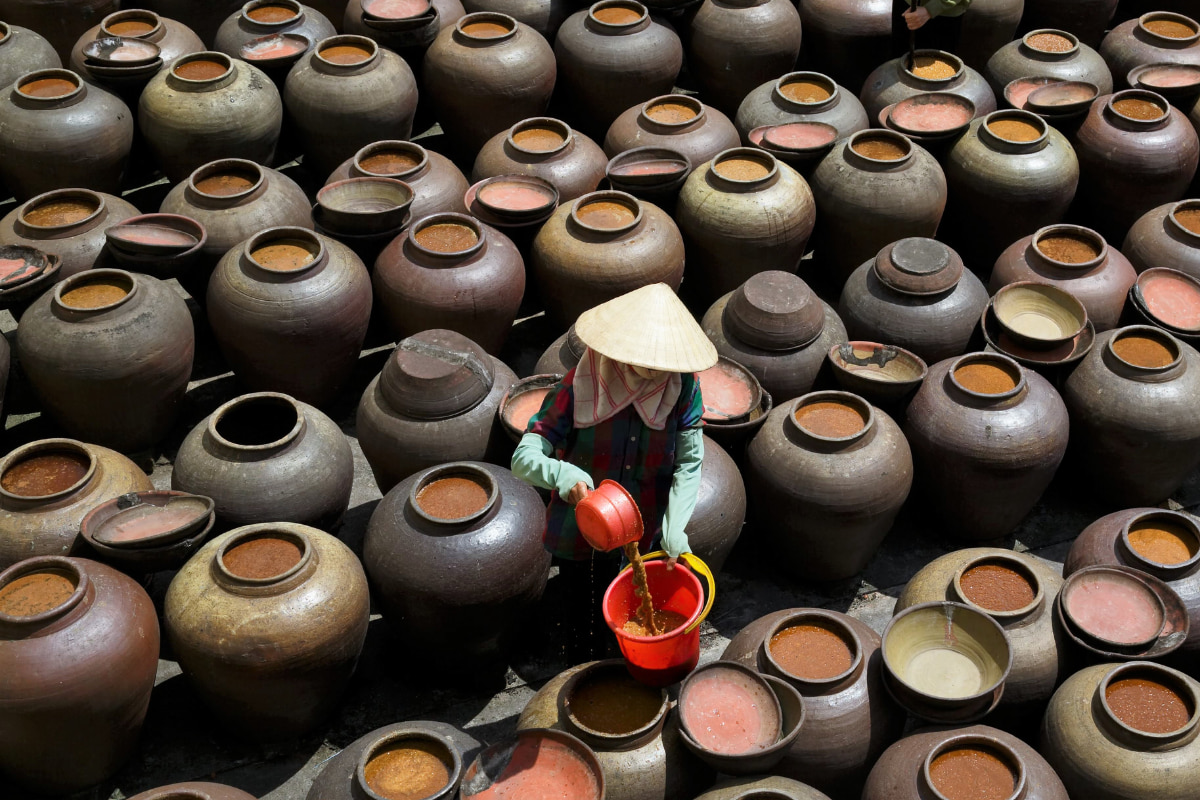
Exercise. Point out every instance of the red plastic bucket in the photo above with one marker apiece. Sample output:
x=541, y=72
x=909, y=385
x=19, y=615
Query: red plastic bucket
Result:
x=608, y=517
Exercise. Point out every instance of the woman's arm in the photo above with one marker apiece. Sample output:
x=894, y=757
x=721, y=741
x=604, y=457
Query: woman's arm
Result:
x=685, y=488
x=533, y=463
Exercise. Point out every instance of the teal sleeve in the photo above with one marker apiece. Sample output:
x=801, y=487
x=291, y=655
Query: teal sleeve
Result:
x=532, y=463
x=952, y=8
x=685, y=488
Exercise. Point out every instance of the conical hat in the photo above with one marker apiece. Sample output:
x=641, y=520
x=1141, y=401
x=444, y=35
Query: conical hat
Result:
x=648, y=327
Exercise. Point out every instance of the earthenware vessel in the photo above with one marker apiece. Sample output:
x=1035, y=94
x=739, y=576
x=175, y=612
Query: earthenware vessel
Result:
x=1160, y=37
x=1087, y=19
x=892, y=82
x=548, y=149
x=845, y=39
x=203, y=18
x=437, y=184
x=674, y=121
x=142, y=532
x=544, y=16
x=562, y=355
x=1166, y=236
x=173, y=38
x=552, y=754
x=60, y=22
x=205, y=791
x=987, y=30
x=22, y=51
x=407, y=30
x=259, y=18
x=801, y=97
x=1048, y=53
x=750, y=788
x=720, y=510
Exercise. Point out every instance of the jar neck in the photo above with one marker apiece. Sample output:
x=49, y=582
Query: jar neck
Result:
x=67, y=613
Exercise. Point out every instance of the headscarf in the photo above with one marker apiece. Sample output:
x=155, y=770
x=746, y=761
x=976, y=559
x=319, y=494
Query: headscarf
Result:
x=603, y=387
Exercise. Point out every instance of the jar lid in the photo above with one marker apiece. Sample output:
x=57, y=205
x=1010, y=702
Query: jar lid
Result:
x=436, y=374
x=774, y=310
x=919, y=266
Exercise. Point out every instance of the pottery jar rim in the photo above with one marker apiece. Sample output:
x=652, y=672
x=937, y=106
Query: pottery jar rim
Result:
x=1149, y=332
x=688, y=101
x=1174, y=680
x=1141, y=562
x=376, y=746
x=557, y=125
x=73, y=96
x=313, y=243
x=1010, y=756
x=443, y=218
x=247, y=533
x=322, y=64
x=997, y=142
x=858, y=159
x=911, y=271
x=38, y=564
x=215, y=82
x=999, y=360
x=371, y=149
x=1168, y=41
x=592, y=737
x=227, y=165
x=864, y=409
x=826, y=82
x=755, y=154
x=1052, y=55
x=1076, y=231
x=943, y=55
x=503, y=20
x=5, y=32
x=1138, y=94
x=454, y=468
x=607, y=196
x=68, y=311
x=1188, y=205
x=277, y=398
x=58, y=195
x=139, y=14
x=426, y=16
x=1008, y=561
x=48, y=445
x=824, y=619
x=293, y=5
x=617, y=28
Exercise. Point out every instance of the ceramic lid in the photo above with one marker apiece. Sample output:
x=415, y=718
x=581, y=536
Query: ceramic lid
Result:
x=918, y=266
x=436, y=374
x=774, y=310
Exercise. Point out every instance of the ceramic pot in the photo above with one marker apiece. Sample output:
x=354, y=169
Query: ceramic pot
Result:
x=424, y=533
x=208, y=106
x=197, y=789
x=1086, y=19
x=892, y=82
x=548, y=149
x=437, y=184
x=1160, y=37
x=1135, y=428
x=173, y=38
x=23, y=51
x=801, y=97
x=168, y=527
x=79, y=655
x=59, y=21
x=406, y=35
x=202, y=17
x=773, y=787
x=259, y=18
x=676, y=122
x=1161, y=239
x=990, y=27
x=844, y=37
x=720, y=510
x=267, y=623
x=1051, y=54
x=544, y=16
x=266, y=457
x=109, y=355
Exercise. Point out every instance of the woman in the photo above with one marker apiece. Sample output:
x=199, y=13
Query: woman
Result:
x=939, y=21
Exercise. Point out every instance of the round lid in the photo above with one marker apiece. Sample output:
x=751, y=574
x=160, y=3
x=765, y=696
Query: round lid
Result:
x=774, y=310
x=436, y=374
x=918, y=265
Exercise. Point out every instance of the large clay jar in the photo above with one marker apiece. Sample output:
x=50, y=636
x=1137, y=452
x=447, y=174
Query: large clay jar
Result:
x=1087, y=19
x=920, y=766
x=827, y=474
x=987, y=436
x=543, y=16
x=485, y=74
x=23, y=51
x=917, y=295
x=1018, y=591
x=454, y=272
x=435, y=401
x=1049, y=54
x=437, y=184
x=1167, y=236
x=775, y=326
x=194, y=789
x=68, y=223
x=892, y=81
x=259, y=18
x=991, y=26
x=740, y=214
x=347, y=93
x=675, y=122
x=432, y=528
x=109, y=355
x=266, y=457
x=734, y=45
x=770, y=787
x=844, y=37
x=1159, y=37
x=290, y=310
x=544, y=148
x=1135, y=152
x=1008, y=175
x=1073, y=258
x=208, y=106
x=611, y=56
x=60, y=21
x=79, y=652
x=641, y=752
x=267, y=622
x=1135, y=425
x=849, y=717
x=202, y=17
x=174, y=39
x=1125, y=732
x=408, y=31
x=872, y=189
x=600, y=247
x=720, y=510
x=801, y=97
x=58, y=132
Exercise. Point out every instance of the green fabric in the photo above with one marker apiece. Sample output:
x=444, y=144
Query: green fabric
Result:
x=685, y=488
x=532, y=463
x=946, y=8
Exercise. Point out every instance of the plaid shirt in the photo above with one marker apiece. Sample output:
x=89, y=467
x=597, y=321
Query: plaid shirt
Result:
x=622, y=449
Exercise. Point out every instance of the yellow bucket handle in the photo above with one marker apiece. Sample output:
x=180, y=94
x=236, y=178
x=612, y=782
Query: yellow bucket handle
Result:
x=697, y=565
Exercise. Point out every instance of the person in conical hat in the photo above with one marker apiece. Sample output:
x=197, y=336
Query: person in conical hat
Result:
x=631, y=412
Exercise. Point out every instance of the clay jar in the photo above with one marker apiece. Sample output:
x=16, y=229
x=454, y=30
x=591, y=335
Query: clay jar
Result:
x=1135, y=426
x=79, y=652
x=1124, y=732
x=408, y=32
x=600, y=247
x=1012, y=172
x=1087, y=19
x=58, y=132
x=771, y=787
x=845, y=38
x=1051, y=54
x=452, y=271
x=174, y=39
x=435, y=401
x=801, y=97
x=208, y=106
x=345, y=94
x=60, y=21
x=827, y=474
x=267, y=623
x=612, y=55
x=290, y=310
x=1130, y=164
x=1073, y=258
x=849, y=717
x=922, y=765
x=259, y=18
x=988, y=29
x=1161, y=239
x=675, y=122
x=547, y=149
x=720, y=511
x=267, y=457
x=461, y=518
x=23, y=51
x=872, y=189
x=109, y=355
x=485, y=74
x=987, y=437
x=914, y=294
x=1159, y=37
x=778, y=329
x=740, y=214
x=437, y=184
x=735, y=45
x=892, y=81
x=197, y=789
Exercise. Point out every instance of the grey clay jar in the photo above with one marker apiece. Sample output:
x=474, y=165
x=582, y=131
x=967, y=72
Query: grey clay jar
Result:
x=194, y=790
x=563, y=157
x=1132, y=44
x=437, y=184
x=23, y=51
x=1021, y=59
x=1158, y=239
x=240, y=28
x=772, y=788
x=676, y=122
x=720, y=510
x=892, y=82
x=173, y=39
x=768, y=104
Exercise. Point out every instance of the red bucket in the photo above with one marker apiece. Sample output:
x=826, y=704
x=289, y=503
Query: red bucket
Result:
x=609, y=517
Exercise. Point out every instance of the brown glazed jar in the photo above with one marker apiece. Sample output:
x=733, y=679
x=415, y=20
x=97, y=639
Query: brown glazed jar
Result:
x=259, y=18
x=1104, y=743
x=868, y=202
x=1073, y=258
x=674, y=121
x=289, y=309
x=485, y=74
x=801, y=97
x=194, y=790
x=345, y=94
x=266, y=457
x=845, y=37
x=68, y=223
x=720, y=510
x=445, y=522
x=743, y=213
x=79, y=652
x=451, y=271
x=545, y=148
x=849, y=717
x=109, y=355
x=892, y=82
x=917, y=295
x=267, y=623
x=1160, y=37
x=1160, y=238
x=733, y=46
x=987, y=437
x=561, y=356
x=208, y=106
x=59, y=21
x=58, y=132
x=174, y=39
x=922, y=765
x=1135, y=423
x=772, y=788
x=1087, y=19
x=437, y=184
x=827, y=474
x=435, y=401
x=601, y=246
x=990, y=27
x=1130, y=165
x=1051, y=54
x=23, y=51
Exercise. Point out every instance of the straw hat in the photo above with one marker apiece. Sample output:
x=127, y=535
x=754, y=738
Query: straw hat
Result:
x=648, y=327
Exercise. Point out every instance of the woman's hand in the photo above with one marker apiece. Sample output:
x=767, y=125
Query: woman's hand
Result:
x=577, y=493
x=916, y=17
x=671, y=562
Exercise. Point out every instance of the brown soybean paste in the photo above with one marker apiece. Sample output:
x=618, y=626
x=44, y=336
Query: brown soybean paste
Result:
x=485, y=30
x=606, y=215
x=665, y=621
x=224, y=184
x=452, y=498
x=539, y=140
x=617, y=15
x=1147, y=705
x=1068, y=249
x=264, y=557
x=35, y=593
x=45, y=473
x=271, y=14
x=811, y=652
x=969, y=773
x=389, y=162
x=446, y=237
x=282, y=256
x=1162, y=542
x=985, y=378
x=879, y=148
x=1143, y=351
x=1015, y=130
x=933, y=69
x=1049, y=42
x=202, y=69
x=1189, y=218
x=93, y=295
x=830, y=419
x=1169, y=28
x=130, y=27
x=615, y=703
x=62, y=212
x=48, y=87
x=996, y=588
x=409, y=770
x=347, y=54
x=742, y=169
x=1136, y=108
x=671, y=113
x=804, y=92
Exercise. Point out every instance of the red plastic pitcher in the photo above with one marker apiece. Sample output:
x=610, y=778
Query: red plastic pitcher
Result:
x=608, y=517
